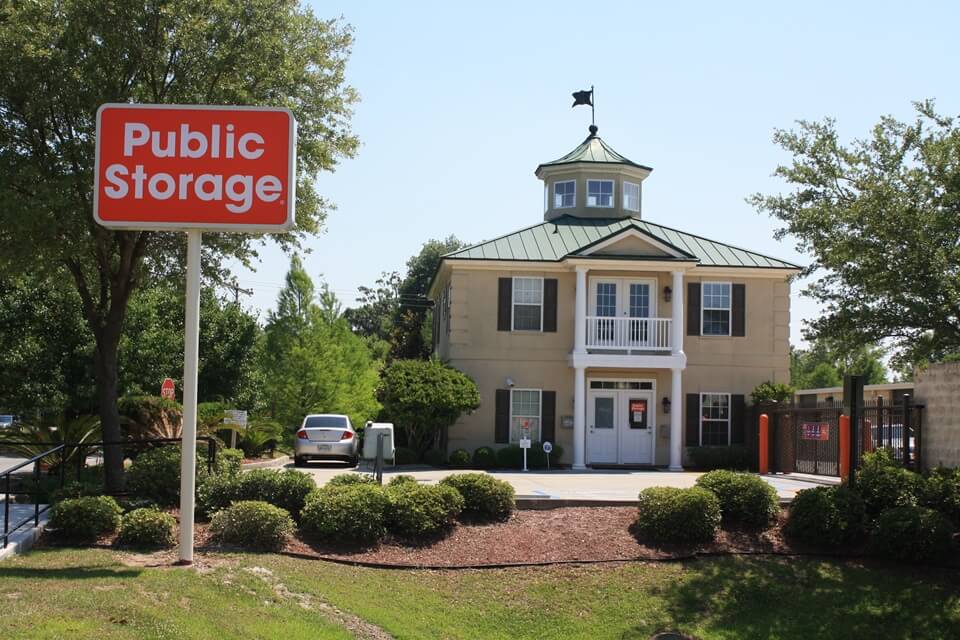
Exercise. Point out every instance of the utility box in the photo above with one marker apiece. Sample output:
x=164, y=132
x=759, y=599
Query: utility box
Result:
x=371, y=434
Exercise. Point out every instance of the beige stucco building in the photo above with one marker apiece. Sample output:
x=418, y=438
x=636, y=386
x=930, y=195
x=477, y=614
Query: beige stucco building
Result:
x=622, y=340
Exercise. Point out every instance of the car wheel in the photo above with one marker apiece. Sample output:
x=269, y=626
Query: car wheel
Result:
x=299, y=462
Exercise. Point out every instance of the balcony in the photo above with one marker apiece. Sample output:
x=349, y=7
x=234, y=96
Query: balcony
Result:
x=629, y=334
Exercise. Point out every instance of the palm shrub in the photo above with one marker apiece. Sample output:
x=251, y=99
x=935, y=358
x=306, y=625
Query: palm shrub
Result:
x=85, y=519
x=484, y=496
x=912, y=533
x=744, y=498
x=147, y=527
x=670, y=514
x=348, y=514
x=46, y=435
x=826, y=516
x=252, y=524
x=422, y=511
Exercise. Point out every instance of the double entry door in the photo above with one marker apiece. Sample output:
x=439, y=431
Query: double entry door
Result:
x=622, y=309
x=620, y=426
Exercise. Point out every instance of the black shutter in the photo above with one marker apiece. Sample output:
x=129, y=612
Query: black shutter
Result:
x=693, y=308
x=738, y=413
x=504, y=302
x=693, y=419
x=550, y=305
x=548, y=415
x=501, y=429
x=738, y=311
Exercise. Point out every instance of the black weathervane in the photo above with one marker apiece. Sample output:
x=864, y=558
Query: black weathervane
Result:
x=584, y=97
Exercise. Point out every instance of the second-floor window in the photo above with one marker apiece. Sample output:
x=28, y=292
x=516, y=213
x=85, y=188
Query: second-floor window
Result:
x=599, y=193
x=631, y=196
x=716, y=309
x=527, y=304
x=564, y=194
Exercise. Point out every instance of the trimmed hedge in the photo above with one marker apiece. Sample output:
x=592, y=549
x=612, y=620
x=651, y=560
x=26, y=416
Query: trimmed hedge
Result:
x=744, y=498
x=912, y=533
x=435, y=458
x=287, y=489
x=459, y=459
x=229, y=461
x=147, y=527
x=85, y=519
x=669, y=514
x=884, y=484
x=252, y=524
x=422, y=511
x=484, y=496
x=401, y=479
x=826, y=516
x=484, y=458
x=348, y=514
x=511, y=457
x=735, y=458
x=350, y=479
x=155, y=474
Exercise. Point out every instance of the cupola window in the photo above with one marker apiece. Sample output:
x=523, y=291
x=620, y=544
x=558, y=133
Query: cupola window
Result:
x=564, y=194
x=631, y=196
x=600, y=193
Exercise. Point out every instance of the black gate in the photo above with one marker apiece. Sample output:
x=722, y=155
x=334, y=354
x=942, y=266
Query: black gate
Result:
x=895, y=427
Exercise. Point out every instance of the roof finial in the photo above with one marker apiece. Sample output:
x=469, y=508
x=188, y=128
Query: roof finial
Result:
x=593, y=130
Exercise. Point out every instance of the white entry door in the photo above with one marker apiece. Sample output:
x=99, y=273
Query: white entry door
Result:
x=620, y=426
x=602, y=413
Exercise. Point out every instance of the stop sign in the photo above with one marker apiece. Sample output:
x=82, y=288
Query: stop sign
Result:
x=167, y=389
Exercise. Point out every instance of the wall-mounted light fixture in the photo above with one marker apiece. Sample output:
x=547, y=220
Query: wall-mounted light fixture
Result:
x=667, y=294
x=666, y=404
x=510, y=382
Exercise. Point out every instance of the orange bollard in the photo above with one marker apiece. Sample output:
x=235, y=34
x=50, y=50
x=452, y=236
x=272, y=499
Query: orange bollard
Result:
x=844, y=448
x=764, y=443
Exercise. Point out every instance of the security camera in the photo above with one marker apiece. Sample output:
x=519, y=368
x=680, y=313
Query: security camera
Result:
x=510, y=382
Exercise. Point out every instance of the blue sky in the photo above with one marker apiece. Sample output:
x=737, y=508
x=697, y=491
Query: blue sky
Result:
x=461, y=103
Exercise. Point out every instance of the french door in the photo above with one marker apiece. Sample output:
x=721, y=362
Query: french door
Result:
x=621, y=308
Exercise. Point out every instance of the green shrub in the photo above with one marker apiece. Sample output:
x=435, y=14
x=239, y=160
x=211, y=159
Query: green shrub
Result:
x=744, y=498
x=155, y=474
x=229, y=461
x=771, y=391
x=405, y=455
x=884, y=484
x=484, y=458
x=669, y=514
x=511, y=457
x=484, y=496
x=734, y=457
x=941, y=492
x=826, y=516
x=460, y=459
x=252, y=524
x=912, y=533
x=402, y=479
x=147, y=528
x=74, y=489
x=422, y=511
x=435, y=458
x=348, y=479
x=348, y=514
x=85, y=519
x=286, y=489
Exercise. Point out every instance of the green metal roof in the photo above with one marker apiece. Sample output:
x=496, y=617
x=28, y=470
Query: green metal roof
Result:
x=567, y=236
x=593, y=149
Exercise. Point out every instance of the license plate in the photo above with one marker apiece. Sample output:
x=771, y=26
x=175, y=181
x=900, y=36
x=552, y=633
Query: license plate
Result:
x=324, y=447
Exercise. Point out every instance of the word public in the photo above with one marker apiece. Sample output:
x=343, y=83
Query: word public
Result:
x=237, y=191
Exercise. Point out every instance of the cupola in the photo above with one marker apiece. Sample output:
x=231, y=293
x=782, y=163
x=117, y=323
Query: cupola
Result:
x=592, y=181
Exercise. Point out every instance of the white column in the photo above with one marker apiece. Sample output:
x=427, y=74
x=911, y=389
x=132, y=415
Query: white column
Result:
x=579, y=417
x=677, y=309
x=188, y=443
x=676, y=428
x=580, y=309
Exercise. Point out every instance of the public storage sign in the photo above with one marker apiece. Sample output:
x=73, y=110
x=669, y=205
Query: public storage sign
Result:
x=209, y=168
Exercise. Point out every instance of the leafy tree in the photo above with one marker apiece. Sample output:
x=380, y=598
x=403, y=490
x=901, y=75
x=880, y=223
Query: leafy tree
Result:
x=424, y=397
x=411, y=337
x=821, y=365
x=776, y=391
x=311, y=361
x=373, y=318
x=64, y=58
x=879, y=217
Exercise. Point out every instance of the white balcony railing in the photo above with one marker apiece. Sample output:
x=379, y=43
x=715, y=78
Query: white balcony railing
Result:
x=640, y=334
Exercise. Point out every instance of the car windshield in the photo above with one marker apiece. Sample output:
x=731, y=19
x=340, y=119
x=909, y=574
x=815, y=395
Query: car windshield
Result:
x=335, y=422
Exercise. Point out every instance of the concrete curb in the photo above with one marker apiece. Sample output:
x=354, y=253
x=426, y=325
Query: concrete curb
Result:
x=276, y=462
x=27, y=538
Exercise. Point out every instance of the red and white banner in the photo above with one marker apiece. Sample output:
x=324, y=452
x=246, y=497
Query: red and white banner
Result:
x=200, y=167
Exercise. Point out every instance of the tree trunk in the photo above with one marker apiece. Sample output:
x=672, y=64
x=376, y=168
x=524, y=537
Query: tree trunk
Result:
x=105, y=364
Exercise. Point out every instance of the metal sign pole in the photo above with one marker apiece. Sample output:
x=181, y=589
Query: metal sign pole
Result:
x=188, y=446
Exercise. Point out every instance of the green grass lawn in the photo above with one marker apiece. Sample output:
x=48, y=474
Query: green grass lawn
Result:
x=91, y=594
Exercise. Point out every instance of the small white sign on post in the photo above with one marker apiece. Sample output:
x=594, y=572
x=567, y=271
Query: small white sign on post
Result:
x=525, y=442
x=236, y=417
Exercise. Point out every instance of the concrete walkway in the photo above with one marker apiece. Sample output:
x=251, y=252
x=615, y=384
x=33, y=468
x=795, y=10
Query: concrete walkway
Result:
x=591, y=485
x=24, y=537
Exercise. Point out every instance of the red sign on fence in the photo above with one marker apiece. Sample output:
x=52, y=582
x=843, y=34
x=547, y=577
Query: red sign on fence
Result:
x=195, y=167
x=814, y=431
